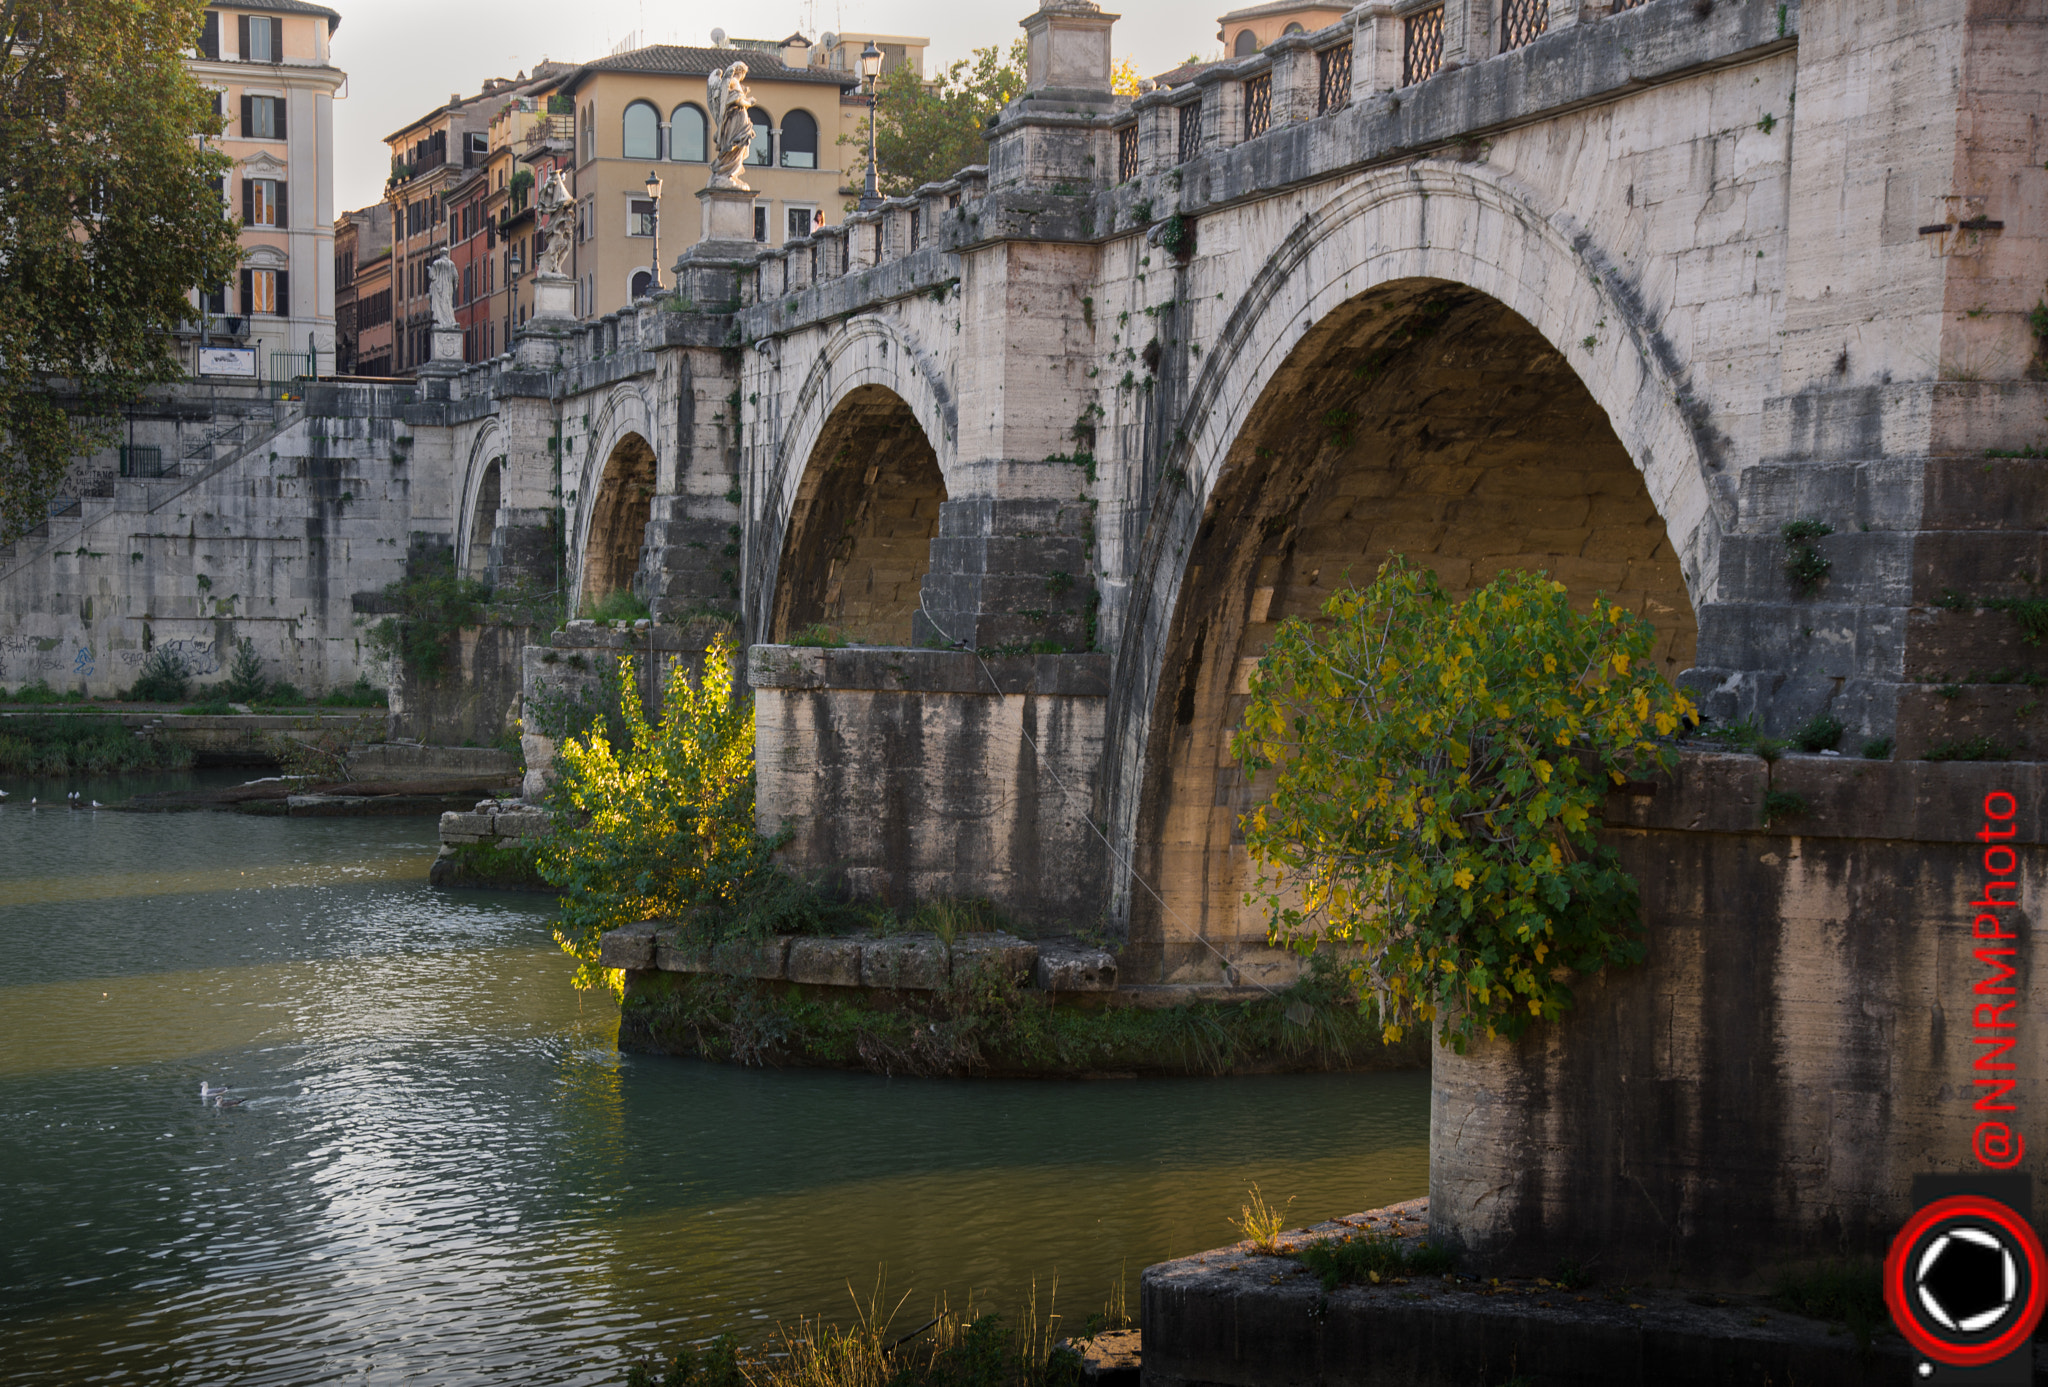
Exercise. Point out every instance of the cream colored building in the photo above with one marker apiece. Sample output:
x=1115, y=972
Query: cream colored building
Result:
x=269, y=65
x=645, y=111
x=1246, y=31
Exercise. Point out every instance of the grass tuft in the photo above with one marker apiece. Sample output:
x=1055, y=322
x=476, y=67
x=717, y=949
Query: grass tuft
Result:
x=1371, y=1257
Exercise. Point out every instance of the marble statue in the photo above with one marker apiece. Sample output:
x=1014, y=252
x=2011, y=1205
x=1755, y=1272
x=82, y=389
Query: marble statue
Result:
x=557, y=205
x=441, y=289
x=732, y=126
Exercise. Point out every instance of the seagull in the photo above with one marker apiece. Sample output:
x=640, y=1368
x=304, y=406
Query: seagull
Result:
x=72, y=798
x=97, y=805
x=3, y=794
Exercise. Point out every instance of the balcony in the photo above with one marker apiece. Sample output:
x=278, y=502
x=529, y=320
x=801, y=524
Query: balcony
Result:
x=552, y=134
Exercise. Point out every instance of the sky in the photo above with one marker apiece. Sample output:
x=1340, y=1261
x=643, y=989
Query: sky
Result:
x=405, y=57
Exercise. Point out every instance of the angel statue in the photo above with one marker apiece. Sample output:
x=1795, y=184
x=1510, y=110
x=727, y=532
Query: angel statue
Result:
x=558, y=205
x=441, y=289
x=732, y=127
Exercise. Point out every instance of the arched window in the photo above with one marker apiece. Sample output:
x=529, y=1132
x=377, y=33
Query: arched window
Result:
x=759, y=153
x=687, y=131
x=642, y=130
x=643, y=281
x=799, y=141
x=1247, y=44
x=1295, y=28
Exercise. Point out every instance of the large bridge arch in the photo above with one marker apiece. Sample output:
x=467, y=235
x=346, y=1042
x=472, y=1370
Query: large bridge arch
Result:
x=1452, y=282
x=615, y=486
x=868, y=368
x=482, y=491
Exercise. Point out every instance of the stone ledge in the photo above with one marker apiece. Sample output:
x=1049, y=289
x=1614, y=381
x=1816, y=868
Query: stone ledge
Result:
x=897, y=962
x=1236, y=1318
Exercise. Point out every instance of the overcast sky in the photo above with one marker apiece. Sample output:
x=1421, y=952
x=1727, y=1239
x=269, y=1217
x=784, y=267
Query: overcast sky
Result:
x=405, y=57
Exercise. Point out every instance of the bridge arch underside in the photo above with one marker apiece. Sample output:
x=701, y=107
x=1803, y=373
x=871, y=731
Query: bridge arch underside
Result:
x=859, y=538
x=1424, y=419
x=618, y=519
x=483, y=520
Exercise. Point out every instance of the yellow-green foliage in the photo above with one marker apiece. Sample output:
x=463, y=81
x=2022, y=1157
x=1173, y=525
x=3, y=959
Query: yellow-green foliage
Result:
x=1432, y=806
x=662, y=825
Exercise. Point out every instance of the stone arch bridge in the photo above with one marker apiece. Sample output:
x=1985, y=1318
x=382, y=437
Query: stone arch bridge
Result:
x=1618, y=303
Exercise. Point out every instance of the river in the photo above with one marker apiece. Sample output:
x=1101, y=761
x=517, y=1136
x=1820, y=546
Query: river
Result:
x=444, y=1172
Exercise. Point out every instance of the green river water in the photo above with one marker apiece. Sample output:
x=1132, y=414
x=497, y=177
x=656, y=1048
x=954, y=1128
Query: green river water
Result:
x=444, y=1171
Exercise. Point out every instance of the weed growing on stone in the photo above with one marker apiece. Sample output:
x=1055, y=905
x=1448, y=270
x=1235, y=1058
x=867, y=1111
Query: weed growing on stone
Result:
x=621, y=604
x=819, y=636
x=1823, y=732
x=1261, y=1223
x=1970, y=749
x=1782, y=804
x=1878, y=749
x=1373, y=1258
x=163, y=678
x=1805, y=565
x=357, y=695
x=1848, y=1293
x=83, y=744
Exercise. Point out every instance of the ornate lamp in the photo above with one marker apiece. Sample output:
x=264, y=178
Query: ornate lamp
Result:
x=870, y=70
x=654, y=196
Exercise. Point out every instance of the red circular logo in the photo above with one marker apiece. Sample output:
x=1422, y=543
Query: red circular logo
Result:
x=2006, y=1307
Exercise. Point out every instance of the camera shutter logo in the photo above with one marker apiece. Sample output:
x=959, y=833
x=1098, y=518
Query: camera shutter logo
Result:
x=1966, y=1280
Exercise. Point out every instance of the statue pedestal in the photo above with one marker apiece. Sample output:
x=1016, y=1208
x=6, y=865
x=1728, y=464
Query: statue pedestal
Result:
x=554, y=296
x=728, y=215
x=447, y=345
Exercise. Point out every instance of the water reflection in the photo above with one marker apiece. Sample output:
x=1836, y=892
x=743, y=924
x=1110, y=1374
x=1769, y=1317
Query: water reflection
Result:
x=444, y=1172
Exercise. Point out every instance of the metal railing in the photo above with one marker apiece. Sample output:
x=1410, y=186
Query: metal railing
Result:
x=138, y=461
x=1333, y=79
x=1521, y=21
x=1258, y=106
x=1127, y=154
x=1190, y=131
x=1422, y=46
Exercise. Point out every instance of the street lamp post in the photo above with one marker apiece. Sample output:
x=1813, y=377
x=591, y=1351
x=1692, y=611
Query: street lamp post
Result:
x=654, y=196
x=870, y=70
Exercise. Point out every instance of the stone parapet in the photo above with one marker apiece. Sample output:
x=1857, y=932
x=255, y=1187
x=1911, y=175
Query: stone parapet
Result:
x=894, y=963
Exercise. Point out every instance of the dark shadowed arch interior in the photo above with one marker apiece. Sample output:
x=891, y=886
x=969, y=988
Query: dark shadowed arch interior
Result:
x=1424, y=419
x=860, y=534
x=483, y=523
x=618, y=518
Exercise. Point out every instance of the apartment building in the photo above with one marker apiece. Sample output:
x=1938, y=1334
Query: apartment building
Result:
x=362, y=240
x=531, y=137
x=1244, y=32
x=644, y=111
x=437, y=169
x=267, y=63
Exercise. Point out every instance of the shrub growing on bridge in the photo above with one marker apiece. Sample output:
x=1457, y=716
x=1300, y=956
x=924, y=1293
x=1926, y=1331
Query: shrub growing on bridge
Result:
x=1441, y=765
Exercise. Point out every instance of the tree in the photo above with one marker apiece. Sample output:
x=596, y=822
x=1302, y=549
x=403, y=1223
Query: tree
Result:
x=927, y=133
x=1440, y=770
x=110, y=213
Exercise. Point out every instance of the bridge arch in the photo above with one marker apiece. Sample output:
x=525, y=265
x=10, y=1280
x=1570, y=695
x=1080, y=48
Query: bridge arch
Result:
x=869, y=383
x=1425, y=366
x=482, y=488
x=614, y=494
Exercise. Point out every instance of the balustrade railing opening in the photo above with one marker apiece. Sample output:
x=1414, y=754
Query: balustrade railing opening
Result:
x=1127, y=154
x=1521, y=21
x=1258, y=106
x=1422, y=46
x=1333, y=85
x=1190, y=131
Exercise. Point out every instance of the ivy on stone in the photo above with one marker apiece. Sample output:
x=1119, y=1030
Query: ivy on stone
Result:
x=1438, y=769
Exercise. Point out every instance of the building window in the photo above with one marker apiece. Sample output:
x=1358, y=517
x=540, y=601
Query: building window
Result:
x=263, y=202
x=1247, y=44
x=761, y=223
x=590, y=132
x=799, y=141
x=642, y=283
x=263, y=291
x=1297, y=27
x=641, y=132
x=801, y=220
x=215, y=300
x=259, y=38
x=760, y=154
x=209, y=36
x=265, y=118
x=687, y=132
x=640, y=216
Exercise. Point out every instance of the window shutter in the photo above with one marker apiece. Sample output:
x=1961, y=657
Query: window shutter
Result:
x=277, y=105
x=209, y=37
x=281, y=219
x=283, y=306
x=248, y=125
x=242, y=35
x=248, y=291
x=248, y=202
